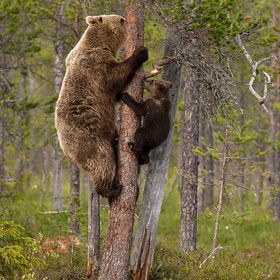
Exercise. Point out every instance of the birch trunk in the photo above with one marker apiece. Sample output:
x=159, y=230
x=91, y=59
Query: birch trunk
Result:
x=157, y=175
x=189, y=181
x=58, y=77
x=115, y=262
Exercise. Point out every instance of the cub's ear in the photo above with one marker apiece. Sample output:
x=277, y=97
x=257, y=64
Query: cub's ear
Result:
x=93, y=20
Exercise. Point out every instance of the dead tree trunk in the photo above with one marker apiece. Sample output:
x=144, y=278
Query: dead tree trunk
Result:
x=275, y=128
x=115, y=262
x=74, y=169
x=189, y=181
x=145, y=239
x=93, y=262
x=58, y=77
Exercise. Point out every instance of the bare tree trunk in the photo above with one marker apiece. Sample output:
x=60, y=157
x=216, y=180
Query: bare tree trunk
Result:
x=93, y=262
x=260, y=185
x=2, y=155
x=4, y=90
x=22, y=119
x=115, y=262
x=275, y=128
x=242, y=167
x=221, y=194
x=157, y=176
x=75, y=199
x=58, y=77
x=189, y=181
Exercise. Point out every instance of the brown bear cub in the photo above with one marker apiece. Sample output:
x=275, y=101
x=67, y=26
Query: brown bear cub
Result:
x=85, y=110
x=156, y=120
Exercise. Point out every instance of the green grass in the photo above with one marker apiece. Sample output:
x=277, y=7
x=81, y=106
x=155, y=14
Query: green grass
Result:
x=250, y=242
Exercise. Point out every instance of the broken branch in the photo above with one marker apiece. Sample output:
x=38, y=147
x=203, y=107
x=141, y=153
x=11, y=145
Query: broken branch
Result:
x=157, y=66
x=255, y=65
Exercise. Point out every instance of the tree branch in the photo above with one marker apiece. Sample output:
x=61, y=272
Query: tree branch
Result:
x=255, y=65
x=158, y=66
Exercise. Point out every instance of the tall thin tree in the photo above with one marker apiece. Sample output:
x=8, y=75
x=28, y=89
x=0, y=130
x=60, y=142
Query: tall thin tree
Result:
x=115, y=262
x=58, y=77
x=145, y=238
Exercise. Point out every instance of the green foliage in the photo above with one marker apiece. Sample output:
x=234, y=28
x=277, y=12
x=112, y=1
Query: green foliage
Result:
x=18, y=252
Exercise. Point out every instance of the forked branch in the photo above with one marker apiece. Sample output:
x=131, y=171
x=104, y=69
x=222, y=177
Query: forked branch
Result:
x=255, y=65
x=158, y=66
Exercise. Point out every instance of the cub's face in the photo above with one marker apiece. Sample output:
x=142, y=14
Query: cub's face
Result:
x=157, y=86
x=115, y=23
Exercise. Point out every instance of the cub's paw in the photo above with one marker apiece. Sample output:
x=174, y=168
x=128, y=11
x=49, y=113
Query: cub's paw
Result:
x=141, y=54
x=131, y=145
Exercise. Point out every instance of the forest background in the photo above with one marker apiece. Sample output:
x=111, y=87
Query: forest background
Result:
x=215, y=181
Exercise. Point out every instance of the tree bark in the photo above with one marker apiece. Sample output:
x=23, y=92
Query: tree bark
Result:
x=189, y=181
x=58, y=77
x=75, y=199
x=275, y=128
x=157, y=175
x=115, y=262
x=93, y=262
x=4, y=90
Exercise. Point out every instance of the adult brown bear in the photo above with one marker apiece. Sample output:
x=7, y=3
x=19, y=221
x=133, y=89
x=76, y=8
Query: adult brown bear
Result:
x=85, y=110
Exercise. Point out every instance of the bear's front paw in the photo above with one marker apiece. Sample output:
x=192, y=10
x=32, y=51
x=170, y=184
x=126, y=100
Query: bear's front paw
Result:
x=141, y=54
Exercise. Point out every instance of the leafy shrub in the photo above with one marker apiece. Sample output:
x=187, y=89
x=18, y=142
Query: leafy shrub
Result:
x=18, y=252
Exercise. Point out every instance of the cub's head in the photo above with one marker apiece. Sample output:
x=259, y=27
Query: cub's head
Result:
x=107, y=31
x=157, y=87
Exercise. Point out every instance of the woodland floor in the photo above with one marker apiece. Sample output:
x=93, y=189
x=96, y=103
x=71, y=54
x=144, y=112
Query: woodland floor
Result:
x=250, y=242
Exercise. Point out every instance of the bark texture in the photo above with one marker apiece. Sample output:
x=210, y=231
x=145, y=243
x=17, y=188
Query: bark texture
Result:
x=189, y=181
x=115, y=262
x=75, y=199
x=93, y=262
x=145, y=238
x=4, y=90
x=275, y=128
x=58, y=77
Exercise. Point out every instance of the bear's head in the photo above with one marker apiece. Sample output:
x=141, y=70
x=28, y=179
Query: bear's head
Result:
x=157, y=87
x=107, y=31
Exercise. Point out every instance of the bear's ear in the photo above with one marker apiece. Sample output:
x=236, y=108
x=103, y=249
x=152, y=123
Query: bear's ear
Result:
x=93, y=20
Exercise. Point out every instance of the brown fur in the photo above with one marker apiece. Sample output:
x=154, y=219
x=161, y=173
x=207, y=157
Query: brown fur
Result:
x=85, y=110
x=156, y=120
